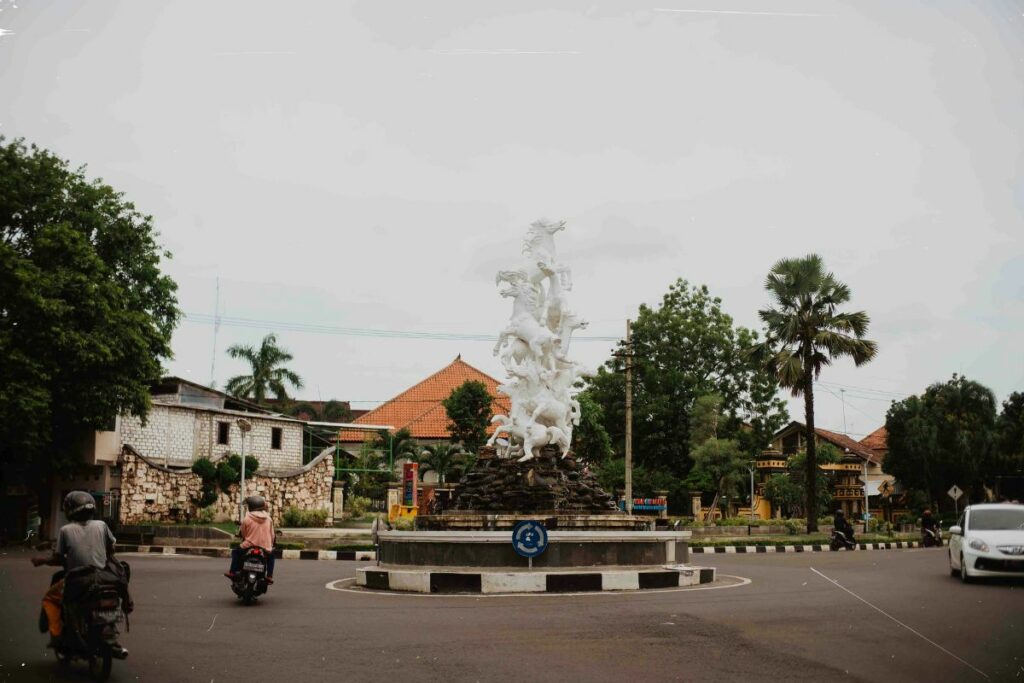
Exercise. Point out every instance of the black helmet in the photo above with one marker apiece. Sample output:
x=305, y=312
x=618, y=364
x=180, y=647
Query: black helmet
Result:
x=256, y=503
x=79, y=506
x=839, y=513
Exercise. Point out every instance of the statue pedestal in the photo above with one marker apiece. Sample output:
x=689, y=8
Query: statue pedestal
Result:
x=544, y=486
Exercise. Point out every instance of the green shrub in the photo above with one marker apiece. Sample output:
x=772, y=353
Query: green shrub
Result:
x=794, y=526
x=205, y=469
x=294, y=517
x=357, y=505
x=290, y=545
x=404, y=524
x=351, y=547
x=205, y=515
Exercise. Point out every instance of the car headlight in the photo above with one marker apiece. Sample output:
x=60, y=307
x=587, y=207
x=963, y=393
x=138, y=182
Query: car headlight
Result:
x=979, y=544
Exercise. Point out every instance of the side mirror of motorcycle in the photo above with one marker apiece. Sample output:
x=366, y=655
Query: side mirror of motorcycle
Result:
x=955, y=530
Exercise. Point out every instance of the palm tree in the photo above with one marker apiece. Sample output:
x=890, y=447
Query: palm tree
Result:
x=805, y=334
x=268, y=373
x=440, y=458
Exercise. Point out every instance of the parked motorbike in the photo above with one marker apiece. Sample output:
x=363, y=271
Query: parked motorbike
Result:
x=931, y=537
x=840, y=541
x=92, y=635
x=251, y=582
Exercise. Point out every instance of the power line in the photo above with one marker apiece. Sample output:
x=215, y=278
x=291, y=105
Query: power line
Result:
x=253, y=323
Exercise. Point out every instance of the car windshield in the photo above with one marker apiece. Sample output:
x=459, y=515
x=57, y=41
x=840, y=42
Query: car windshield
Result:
x=997, y=520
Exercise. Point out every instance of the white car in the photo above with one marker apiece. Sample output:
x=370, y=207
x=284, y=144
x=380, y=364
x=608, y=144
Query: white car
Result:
x=988, y=540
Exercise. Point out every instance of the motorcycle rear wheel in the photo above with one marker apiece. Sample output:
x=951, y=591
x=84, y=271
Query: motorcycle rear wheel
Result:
x=99, y=666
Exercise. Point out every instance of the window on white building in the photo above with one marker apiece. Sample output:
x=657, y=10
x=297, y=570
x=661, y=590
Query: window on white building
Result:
x=223, y=429
x=275, y=438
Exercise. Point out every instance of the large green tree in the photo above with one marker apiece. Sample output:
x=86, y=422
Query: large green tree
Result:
x=806, y=332
x=266, y=371
x=946, y=436
x=683, y=349
x=1010, y=432
x=590, y=441
x=718, y=464
x=469, y=413
x=86, y=314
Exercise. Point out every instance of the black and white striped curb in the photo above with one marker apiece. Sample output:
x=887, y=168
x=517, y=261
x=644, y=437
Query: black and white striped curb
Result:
x=417, y=580
x=358, y=555
x=814, y=548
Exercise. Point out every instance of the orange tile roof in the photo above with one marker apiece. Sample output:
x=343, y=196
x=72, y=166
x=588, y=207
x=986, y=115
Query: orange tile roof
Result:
x=845, y=442
x=877, y=440
x=419, y=408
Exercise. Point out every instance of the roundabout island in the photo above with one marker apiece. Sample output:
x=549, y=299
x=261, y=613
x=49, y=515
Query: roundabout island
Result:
x=527, y=518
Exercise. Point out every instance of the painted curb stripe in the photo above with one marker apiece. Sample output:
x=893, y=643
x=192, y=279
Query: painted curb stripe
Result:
x=815, y=548
x=351, y=555
x=472, y=582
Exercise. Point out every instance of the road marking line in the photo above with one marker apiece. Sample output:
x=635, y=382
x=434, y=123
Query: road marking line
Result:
x=916, y=633
x=212, y=623
x=336, y=586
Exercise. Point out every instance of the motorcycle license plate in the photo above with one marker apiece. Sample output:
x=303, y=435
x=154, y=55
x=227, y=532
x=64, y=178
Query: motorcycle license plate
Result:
x=253, y=566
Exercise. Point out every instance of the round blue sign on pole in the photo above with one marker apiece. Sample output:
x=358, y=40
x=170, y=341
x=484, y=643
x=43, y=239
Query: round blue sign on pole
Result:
x=529, y=538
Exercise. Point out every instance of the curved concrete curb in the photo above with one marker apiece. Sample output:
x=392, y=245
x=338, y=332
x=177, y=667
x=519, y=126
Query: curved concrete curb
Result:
x=815, y=548
x=475, y=581
x=358, y=555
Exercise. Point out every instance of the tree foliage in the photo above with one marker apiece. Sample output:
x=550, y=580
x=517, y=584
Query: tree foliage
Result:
x=806, y=332
x=685, y=348
x=332, y=411
x=267, y=372
x=443, y=458
x=85, y=313
x=469, y=413
x=591, y=443
x=718, y=464
x=1010, y=433
x=946, y=436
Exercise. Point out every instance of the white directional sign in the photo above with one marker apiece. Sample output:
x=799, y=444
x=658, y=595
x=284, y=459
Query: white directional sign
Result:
x=955, y=492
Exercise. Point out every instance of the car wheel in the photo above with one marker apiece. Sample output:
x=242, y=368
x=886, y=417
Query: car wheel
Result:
x=964, y=576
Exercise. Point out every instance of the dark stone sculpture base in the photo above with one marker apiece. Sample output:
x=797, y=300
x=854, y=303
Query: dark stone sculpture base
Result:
x=547, y=484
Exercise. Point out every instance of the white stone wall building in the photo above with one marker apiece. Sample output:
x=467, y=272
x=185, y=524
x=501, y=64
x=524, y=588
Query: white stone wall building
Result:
x=186, y=422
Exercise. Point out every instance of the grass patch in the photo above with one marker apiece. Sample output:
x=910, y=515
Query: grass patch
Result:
x=351, y=547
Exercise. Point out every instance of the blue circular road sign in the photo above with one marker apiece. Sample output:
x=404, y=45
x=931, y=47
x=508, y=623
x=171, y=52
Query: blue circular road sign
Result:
x=529, y=538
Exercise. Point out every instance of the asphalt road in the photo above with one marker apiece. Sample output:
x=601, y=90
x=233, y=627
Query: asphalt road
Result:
x=789, y=622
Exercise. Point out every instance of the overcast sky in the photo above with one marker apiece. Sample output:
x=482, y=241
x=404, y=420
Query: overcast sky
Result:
x=372, y=164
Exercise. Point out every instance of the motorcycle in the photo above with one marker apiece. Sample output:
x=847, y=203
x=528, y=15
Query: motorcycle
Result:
x=92, y=635
x=251, y=582
x=931, y=537
x=840, y=540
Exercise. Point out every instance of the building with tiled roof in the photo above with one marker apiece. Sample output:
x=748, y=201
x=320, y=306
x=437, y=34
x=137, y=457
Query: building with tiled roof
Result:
x=858, y=462
x=878, y=441
x=419, y=407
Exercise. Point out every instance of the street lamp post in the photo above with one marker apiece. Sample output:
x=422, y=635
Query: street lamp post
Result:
x=750, y=468
x=244, y=426
x=866, y=513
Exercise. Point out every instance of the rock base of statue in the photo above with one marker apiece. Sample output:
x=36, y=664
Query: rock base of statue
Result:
x=546, y=484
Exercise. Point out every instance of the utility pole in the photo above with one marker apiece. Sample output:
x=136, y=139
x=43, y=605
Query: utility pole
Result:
x=629, y=419
x=842, y=397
